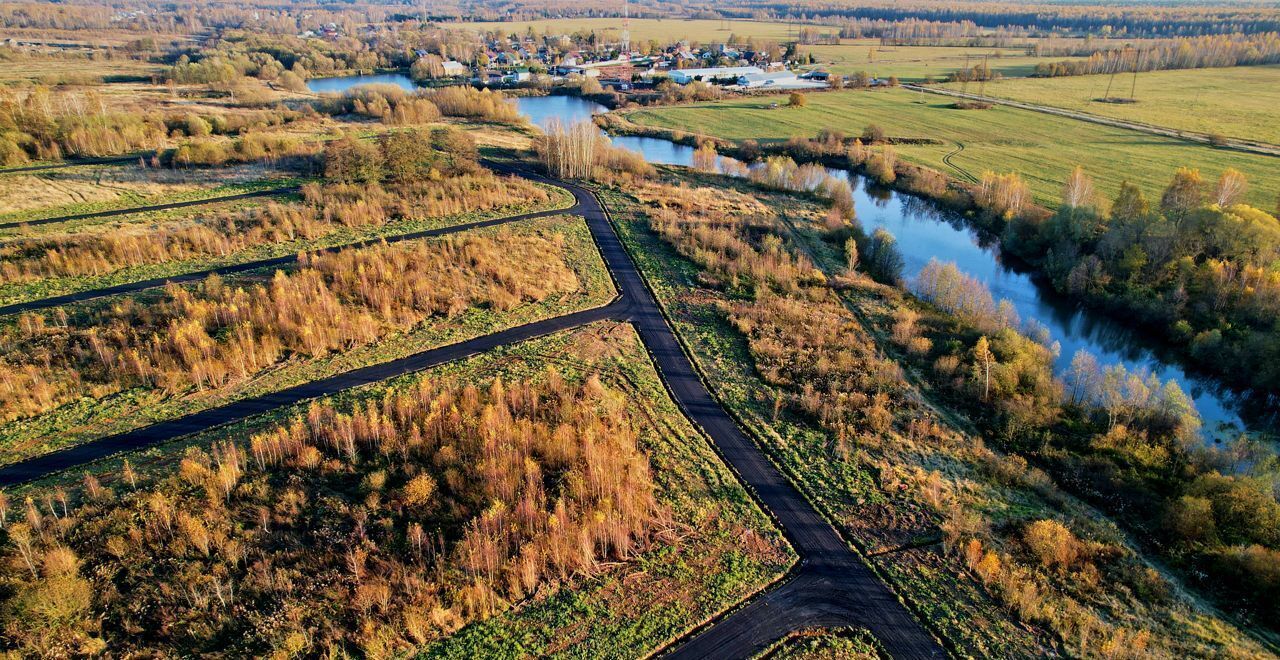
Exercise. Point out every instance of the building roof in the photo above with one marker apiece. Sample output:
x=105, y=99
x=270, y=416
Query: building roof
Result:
x=718, y=71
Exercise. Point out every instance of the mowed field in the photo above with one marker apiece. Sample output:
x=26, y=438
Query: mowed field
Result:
x=917, y=63
x=1240, y=102
x=1040, y=147
x=643, y=29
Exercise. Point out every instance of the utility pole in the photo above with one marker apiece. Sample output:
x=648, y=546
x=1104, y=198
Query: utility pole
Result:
x=626, y=29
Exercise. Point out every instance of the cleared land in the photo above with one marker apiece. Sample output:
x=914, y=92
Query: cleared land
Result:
x=917, y=63
x=94, y=188
x=1042, y=148
x=643, y=29
x=116, y=410
x=1238, y=102
x=716, y=546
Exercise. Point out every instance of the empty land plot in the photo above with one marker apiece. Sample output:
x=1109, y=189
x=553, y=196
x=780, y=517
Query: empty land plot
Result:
x=703, y=544
x=62, y=69
x=917, y=63
x=1042, y=148
x=96, y=188
x=160, y=354
x=168, y=243
x=1239, y=102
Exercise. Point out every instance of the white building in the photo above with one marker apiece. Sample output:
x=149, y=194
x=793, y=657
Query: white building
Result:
x=453, y=69
x=686, y=76
x=777, y=80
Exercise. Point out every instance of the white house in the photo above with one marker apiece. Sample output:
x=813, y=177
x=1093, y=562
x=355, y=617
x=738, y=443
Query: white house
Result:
x=686, y=76
x=452, y=68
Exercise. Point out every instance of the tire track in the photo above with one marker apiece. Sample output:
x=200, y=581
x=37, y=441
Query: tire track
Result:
x=960, y=170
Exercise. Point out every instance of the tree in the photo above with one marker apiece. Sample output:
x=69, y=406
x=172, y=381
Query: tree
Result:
x=873, y=134
x=1130, y=204
x=1232, y=185
x=983, y=359
x=883, y=259
x=1078, y=192
x=407, y=155
x=428, y=67
x=1052, y=543
x=1184, y=193
x=349, y=160
x=797, y=100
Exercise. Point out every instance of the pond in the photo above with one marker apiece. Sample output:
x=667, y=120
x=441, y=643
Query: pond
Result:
x=926, y=231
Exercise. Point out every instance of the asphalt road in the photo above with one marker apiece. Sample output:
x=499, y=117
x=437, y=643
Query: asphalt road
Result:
x=141, y=285
x=270, y=192
x=831, y=587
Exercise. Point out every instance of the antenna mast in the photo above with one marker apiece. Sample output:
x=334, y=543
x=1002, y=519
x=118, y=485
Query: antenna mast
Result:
x=626, y=28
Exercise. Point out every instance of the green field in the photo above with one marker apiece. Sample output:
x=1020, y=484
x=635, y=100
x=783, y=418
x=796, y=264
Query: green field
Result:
x=643, y=29
x=1042, y=148
x=1239, y=102
x=916, y=63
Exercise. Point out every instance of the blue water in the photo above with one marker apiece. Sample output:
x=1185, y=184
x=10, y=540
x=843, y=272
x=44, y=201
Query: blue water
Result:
x=924, y=232
x=343, y=83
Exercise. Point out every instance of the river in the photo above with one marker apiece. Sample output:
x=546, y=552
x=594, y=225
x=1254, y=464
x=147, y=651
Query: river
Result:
x=926, y=231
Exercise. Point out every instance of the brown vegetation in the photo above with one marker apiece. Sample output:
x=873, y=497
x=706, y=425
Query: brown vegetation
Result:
x=377, y=527
x=325, y=209
x=218, y=333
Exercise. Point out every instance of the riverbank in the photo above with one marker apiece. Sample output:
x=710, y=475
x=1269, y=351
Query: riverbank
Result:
x=962, y=198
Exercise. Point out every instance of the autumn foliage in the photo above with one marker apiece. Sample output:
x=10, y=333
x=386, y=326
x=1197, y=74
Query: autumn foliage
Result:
x=219, y=332
x=374, y=527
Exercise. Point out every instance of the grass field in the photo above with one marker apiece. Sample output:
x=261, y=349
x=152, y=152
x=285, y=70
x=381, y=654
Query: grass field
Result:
x=94, y=188
x=724, y=547
x=826, y=645
x=643, y=29
x=916, y=63
x=1239, y=102
x=52, y=70
x=93, y=417
x=1042, y=148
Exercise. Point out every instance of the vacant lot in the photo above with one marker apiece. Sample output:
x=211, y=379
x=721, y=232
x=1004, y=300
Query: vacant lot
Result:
x=1238, y=102
x=713, y=548
x=114, y=408
x=1042, y=148
x=93, y=188
x=916, y=63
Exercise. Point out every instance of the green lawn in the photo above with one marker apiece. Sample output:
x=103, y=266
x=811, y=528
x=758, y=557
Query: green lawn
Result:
x=1042, y=148
x=916, y=63
x=1239, y=102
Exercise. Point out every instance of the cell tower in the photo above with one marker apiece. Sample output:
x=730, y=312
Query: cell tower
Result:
x=626, y=28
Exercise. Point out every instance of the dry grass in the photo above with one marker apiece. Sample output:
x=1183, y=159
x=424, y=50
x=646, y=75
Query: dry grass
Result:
x=107, y=183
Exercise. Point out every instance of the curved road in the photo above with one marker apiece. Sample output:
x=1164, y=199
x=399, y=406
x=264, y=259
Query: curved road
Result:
x=830, y=587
